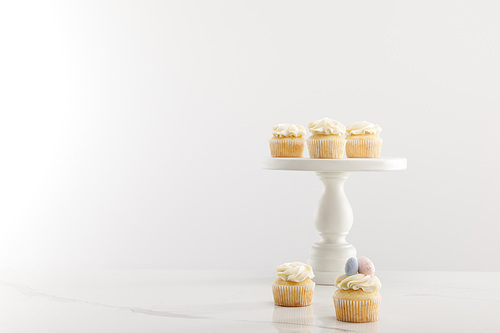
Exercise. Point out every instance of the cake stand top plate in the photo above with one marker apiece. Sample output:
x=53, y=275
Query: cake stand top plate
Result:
x=335, y=165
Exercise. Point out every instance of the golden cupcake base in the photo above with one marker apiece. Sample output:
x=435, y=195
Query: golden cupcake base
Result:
x=358, y=147
x=356, y=306
x=326, y=146
x=287, y=147
x=293, y=294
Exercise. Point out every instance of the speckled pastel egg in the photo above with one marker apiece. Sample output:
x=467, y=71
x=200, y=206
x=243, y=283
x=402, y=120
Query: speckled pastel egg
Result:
x=351, y=266
x=365, y=266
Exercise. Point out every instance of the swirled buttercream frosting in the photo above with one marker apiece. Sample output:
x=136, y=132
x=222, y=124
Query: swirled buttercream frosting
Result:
x=367, y=283
x=294, y=272
x=326, y=126
x=363, y=127
x=289, y=130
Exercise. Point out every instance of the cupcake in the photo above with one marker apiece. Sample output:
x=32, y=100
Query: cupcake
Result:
x=357, y=299
x=363, y=140
x=288, y=140
x=327, y=139
x=294, y=286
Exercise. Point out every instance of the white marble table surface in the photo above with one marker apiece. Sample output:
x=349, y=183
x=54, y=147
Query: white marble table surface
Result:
x=234, y=301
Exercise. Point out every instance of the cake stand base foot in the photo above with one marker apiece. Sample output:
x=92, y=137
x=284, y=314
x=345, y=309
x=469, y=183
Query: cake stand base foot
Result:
x=328, y=262
x=326, y=278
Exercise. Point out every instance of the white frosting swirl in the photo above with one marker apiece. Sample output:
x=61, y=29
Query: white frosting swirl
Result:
x=289, y=130
x=294, y=272
x=326, y=126
x=363, y=127
x=367, y=283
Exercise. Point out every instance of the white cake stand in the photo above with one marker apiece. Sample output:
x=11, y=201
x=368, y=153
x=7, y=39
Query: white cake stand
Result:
x=334, y=214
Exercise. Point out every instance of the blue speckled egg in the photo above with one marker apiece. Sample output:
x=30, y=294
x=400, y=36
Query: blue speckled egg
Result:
x=351, y=266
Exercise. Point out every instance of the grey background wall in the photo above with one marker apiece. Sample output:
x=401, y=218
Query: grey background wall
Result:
x=131, y=133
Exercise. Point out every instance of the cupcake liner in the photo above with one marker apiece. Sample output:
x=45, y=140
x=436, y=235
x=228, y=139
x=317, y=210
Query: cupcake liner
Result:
x=363, y=148
x=287, y=147
x=326, y=148
x=287, y=295
x=362, y=311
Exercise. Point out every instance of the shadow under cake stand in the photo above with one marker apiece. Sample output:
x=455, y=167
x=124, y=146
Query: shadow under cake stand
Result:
x=334, y=214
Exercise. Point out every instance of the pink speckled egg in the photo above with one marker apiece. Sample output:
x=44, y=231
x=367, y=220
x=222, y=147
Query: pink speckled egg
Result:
x=365, y=266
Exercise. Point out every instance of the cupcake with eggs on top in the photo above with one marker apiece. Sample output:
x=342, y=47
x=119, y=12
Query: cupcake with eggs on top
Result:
x=363, y=140
x=294, y=286
x=288, y=140
x=327, y=139
x=357, y=299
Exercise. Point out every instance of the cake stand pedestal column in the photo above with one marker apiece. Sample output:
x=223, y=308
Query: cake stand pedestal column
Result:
x=333, y=221
x=334, y=215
